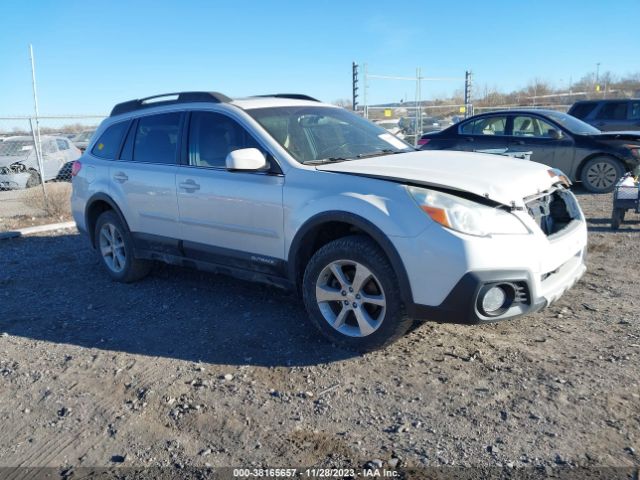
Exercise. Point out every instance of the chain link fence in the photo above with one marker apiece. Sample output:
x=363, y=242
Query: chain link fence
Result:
x=36, y=159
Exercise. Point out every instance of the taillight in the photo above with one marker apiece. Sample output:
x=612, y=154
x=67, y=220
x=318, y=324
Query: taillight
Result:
x=424, y=141
x=75, y=168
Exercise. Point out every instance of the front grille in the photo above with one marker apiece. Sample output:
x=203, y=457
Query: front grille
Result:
x=552, y=211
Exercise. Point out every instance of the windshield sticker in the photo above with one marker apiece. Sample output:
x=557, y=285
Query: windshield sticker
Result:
x=26, y=147
x=393, y=141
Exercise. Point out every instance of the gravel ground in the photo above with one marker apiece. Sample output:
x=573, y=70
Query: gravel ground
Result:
x=187, y=369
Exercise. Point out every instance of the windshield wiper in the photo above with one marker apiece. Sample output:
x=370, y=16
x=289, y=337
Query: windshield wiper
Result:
x=325, y=160
x=378, y=153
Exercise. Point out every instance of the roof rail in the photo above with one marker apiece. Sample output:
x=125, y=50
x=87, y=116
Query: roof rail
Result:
x=293, y=96
x=180, y=97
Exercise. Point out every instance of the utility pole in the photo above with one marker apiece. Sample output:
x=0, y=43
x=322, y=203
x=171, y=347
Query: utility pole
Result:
x=467, y=94
x=354, y=102
x=364, y=94
x=597, y=77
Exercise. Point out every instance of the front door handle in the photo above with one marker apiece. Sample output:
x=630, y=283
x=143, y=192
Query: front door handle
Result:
x=469, y=139
x=120, y=177
x=517, y=142
x=189, y=185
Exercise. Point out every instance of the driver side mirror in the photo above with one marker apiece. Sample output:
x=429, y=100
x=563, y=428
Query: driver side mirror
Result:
x=247, y=159
x=554, y=134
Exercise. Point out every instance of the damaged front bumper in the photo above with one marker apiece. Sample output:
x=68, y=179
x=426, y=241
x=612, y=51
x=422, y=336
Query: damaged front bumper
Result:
x=14, y=181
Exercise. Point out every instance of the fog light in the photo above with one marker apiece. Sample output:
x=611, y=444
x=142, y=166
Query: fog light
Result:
x=494, y=300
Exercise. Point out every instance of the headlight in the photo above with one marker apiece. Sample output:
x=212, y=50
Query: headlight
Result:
x=634, y=149
x=466, y=216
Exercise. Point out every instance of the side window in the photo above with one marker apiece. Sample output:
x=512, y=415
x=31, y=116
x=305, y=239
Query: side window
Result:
x=485, y=126
x=62, y=144
x=634, y=111
x=613, y=111
x=156, y=138
x=49, y=146
x=212, y=136
x=582, y=110
x=109, y=142
x=525, y=126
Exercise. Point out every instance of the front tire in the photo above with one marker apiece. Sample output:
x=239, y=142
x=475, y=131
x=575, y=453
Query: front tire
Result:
x=115, y=248
x=600, y=174
x=351, y=293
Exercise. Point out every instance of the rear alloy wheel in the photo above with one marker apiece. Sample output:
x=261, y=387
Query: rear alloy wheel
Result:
x=351, y=293
x=115, y=248
x=600, y=174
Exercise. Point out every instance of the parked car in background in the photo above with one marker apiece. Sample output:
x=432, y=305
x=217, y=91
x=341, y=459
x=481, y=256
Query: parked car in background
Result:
x=584, y=153
x=291, y=191
x=19, y=163
x=609, y=115
x=391, y=125
x=82, y=139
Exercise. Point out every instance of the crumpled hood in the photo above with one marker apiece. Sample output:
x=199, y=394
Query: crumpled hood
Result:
x=502, y=179
x=634, y=136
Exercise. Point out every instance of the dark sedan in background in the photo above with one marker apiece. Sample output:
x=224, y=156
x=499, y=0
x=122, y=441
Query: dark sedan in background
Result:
x=584, y=153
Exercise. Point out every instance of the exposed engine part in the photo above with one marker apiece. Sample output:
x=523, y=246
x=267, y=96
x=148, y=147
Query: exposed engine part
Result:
x=13, y=168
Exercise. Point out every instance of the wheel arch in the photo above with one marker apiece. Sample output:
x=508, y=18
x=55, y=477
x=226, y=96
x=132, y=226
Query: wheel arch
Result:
x=98, y=204
x=328, y=226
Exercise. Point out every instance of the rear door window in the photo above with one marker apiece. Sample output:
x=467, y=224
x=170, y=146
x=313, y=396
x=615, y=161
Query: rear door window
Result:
x=485, y=126
x=109, y=142
x=613, y=111
x=634, y=111
x=156, y=138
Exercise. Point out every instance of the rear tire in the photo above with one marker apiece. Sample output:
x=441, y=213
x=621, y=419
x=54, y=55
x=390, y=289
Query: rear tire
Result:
x=351, y=293
x=115, y=248
x=33, y=180
x=600, y=174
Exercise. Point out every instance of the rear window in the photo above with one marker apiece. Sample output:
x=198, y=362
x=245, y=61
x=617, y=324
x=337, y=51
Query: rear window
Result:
x=109, y=142
x=156, y=138
x=582, y=110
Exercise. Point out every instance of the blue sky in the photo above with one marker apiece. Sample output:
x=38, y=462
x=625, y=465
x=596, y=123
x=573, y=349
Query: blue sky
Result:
x=91, y=54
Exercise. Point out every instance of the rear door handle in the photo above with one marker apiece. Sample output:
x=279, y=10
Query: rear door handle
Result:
x=469, y=139
x=517, y=142
x=120, y=177
x=189, y=185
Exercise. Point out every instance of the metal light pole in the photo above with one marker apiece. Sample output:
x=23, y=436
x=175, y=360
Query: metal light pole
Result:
x=36, y=132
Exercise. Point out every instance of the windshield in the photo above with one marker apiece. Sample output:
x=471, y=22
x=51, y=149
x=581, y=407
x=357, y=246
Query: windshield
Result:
x=15, y=148
x=572, y=123
x=317, y=134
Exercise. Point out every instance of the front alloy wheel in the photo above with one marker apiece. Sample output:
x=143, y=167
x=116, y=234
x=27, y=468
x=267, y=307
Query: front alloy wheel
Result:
x=352, y=294
x=600, y=174
x=350, y=298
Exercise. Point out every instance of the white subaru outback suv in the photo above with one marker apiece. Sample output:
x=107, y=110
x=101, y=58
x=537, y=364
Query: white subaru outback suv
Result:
x=287, y=190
